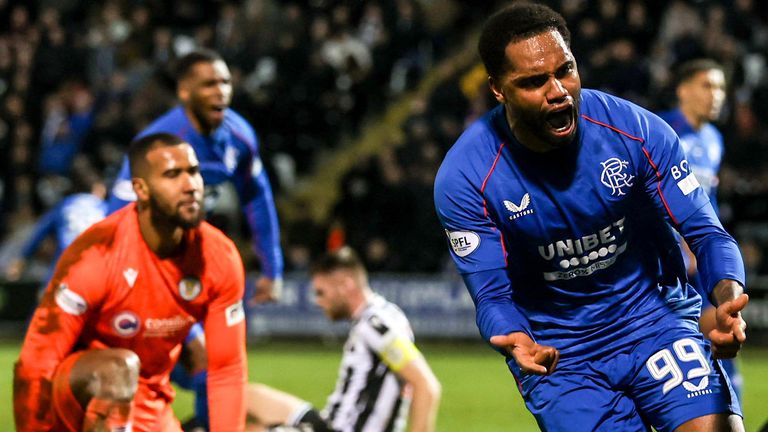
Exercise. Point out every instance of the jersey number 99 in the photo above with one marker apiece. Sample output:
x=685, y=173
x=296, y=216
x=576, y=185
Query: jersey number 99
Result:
x=663, y=364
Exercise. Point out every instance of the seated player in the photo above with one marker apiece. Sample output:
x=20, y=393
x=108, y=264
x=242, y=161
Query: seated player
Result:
x=382, y=373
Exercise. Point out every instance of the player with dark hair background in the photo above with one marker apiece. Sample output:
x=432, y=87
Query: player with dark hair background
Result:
x=228, y=150
x=701, y=91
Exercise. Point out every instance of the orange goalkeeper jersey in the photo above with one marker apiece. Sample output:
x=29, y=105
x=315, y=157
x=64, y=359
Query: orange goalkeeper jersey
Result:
x=110, y=290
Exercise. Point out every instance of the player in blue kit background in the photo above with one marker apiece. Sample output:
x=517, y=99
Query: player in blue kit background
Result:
x=558, y=206
x=700, y=94
x=65, y=221
x=227, y=148
x=700, y=89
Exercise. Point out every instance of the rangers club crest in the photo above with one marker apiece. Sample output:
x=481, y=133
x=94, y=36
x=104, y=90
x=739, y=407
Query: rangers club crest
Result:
x=615, y=177
x=190, y=287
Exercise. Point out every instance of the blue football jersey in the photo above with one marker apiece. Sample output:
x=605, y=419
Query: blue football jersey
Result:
x=574, y=246
x=228, y=154
x=703, y=149
x=67, y=220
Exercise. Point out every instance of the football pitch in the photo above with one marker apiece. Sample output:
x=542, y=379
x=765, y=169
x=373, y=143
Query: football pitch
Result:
x=479, y=395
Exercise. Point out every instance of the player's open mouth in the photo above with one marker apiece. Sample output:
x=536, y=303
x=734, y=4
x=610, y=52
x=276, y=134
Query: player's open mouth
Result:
x=561, y=121
x=217, y=111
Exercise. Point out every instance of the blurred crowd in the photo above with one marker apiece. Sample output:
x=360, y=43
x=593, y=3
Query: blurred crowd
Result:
x=78, y=79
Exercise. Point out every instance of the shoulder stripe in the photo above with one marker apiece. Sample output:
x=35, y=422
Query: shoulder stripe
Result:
x=613, y=128
x=251, y=144
x=647, y=156
x=493, y=167
x=658, y=186
x=482, y=191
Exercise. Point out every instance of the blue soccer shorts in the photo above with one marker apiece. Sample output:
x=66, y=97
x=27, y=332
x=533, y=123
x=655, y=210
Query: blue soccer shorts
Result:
x=662, y=381
x=731, y=369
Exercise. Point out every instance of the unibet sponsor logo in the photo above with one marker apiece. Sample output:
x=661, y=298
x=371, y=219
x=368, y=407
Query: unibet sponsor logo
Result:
x=585, y=255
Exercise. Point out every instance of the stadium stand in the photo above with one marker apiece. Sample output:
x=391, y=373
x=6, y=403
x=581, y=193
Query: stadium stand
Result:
x=355, y=102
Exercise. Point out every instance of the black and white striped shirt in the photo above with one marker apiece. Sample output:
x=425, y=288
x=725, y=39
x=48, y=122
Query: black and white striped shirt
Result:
x=369, y=396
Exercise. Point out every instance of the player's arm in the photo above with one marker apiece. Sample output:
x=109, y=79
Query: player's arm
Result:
x=504, y=326
x=393, y=344
x=53, y=331
x=722, y=274
x=677, y=194
x=44, y=228
x=258, y=204
x=402, y=356
x=729, y=331
x=717, y=254
x=478, y=252
x=225, y=343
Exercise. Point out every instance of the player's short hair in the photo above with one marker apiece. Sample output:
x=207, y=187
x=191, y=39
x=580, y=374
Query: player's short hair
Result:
x=84, y=180
x=687, y=70
x=344, y=258
x=514, y=23
x=138, y=149
x=185, y=64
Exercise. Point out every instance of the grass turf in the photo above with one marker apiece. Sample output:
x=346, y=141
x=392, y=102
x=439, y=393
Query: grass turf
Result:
x=479, y=394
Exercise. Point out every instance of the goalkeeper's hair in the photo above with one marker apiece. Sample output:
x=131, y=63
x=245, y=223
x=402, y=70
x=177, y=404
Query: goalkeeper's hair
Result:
x=138, y=149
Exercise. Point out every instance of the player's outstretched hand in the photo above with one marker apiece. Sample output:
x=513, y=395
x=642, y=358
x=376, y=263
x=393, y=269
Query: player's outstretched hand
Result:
x=267, y=290
x=730, y=328
x=530, y=356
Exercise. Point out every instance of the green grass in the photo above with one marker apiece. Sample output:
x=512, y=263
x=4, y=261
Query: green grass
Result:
x=479, y=395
